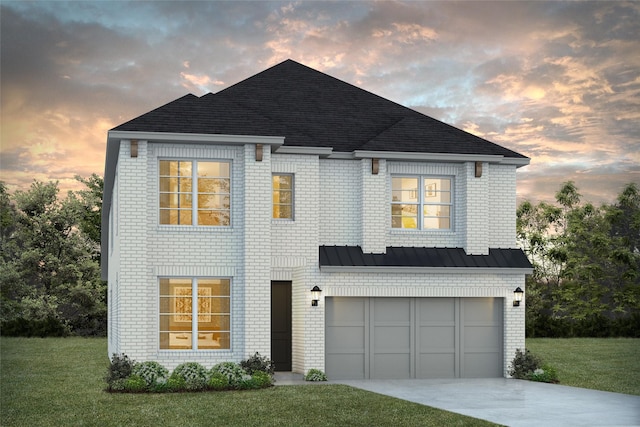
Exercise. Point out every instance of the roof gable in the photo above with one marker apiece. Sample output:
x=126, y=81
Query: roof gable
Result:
x=312, y=109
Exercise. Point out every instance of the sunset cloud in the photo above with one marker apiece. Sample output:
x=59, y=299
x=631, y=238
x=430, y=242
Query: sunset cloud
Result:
x=556, y=81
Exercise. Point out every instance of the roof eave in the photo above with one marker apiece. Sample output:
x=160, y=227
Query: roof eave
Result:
x=318, y=151
x=440, y=157
x=196, y=138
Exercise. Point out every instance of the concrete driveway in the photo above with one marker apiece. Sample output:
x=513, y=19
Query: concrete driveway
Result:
x=514, y=402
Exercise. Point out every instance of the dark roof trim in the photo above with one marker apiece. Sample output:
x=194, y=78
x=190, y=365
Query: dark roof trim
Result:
x=351, y=259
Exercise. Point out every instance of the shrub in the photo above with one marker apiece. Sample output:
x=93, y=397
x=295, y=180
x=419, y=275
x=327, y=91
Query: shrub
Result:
x=262, y=379
x=120, y=368
x=233, y=372
x=545, y=374
x=153, y=373
x=523, y=364
x=194, y=374
x=135, y=384
x=175, y=383
x=118, y=385
x=315, y=375
x=217, y=381
x=258, y=363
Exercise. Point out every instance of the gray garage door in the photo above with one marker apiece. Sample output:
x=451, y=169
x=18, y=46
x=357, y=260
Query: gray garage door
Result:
x=413, y=338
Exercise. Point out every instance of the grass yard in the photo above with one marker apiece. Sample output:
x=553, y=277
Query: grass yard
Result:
x=609, y=364
x=59, y=382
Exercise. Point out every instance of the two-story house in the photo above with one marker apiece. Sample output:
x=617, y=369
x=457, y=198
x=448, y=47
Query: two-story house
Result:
x=222, y=214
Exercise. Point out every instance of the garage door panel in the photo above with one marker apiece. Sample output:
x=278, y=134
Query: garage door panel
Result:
x=391, y=366
x=392, y=310
x=345, y=337
x=344, y=310
x=482, y=365
x=345, y=366
x=392, y=337
x=481, y=337
x=434, y=365
x=436, y=310
x=482, y=309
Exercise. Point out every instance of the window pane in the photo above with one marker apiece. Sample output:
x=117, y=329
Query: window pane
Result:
x=213, y=340
x=214, y=202
x=175, y=200
x=213, y=169
x=282, y=212
x=175, y=185
x=165, y=167
x=437, y=217
x=214, y=185
x=282, y=182
x=210, y=217
x=282, y=196
x=404, y=216
x=175, y=340
x=168, y=184
x=404, y=189
x=220, y=287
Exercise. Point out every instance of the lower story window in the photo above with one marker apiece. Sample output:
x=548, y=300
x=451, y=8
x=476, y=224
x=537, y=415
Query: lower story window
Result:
x=195, y=314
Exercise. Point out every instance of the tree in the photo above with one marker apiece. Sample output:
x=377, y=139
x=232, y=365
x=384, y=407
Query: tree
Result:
x=49, y=273
x=586, y=264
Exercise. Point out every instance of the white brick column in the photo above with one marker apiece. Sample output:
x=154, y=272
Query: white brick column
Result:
x=136, y=286
x=477, y=210
x=307, y=321
x=257, y=251
x=375, y=207
x=514, y=324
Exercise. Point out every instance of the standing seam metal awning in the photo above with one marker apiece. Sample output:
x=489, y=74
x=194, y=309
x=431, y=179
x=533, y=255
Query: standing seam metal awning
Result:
x=408, y=257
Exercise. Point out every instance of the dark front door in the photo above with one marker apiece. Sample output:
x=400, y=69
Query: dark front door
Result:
x=281, y=325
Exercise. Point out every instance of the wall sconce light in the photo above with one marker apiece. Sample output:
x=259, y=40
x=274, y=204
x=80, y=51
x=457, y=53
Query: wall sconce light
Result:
x=315, y=296
x=517, y=296
x=375, y=166
x=134, y=148
x=478, y=169
x=258, y=152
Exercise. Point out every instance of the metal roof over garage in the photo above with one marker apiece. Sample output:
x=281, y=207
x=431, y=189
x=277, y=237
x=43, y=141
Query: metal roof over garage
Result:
x=351, y=258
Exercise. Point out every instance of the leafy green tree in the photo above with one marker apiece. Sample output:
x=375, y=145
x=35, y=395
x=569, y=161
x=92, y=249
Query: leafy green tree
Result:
x=49, y=271
x=91, y=203
x=586, y=263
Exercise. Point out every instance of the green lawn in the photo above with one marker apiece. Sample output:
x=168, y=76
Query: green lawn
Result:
x=59, y=382
x=609, y=364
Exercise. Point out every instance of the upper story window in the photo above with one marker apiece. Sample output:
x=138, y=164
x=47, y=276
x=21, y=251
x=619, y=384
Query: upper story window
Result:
x=421, y=202
x=195, y=313
x=282, y=187
x=195, y=192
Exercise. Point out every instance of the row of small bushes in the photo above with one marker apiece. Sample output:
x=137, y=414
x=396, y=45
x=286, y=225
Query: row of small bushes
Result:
x=527, y=366
x=127, y=376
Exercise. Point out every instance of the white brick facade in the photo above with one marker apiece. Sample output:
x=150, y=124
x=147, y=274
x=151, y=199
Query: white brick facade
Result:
x=336, y=202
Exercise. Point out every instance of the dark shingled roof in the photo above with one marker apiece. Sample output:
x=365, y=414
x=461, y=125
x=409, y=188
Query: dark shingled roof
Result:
x=312, y=109
x=352, y=256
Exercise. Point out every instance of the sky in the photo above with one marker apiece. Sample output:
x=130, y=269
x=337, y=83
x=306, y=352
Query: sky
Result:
x=556, y=81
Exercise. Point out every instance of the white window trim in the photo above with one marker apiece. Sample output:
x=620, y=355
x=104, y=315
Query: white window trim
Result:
x=293, y=197
x=194, y=314
x=421, y=203
x=194, y=194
